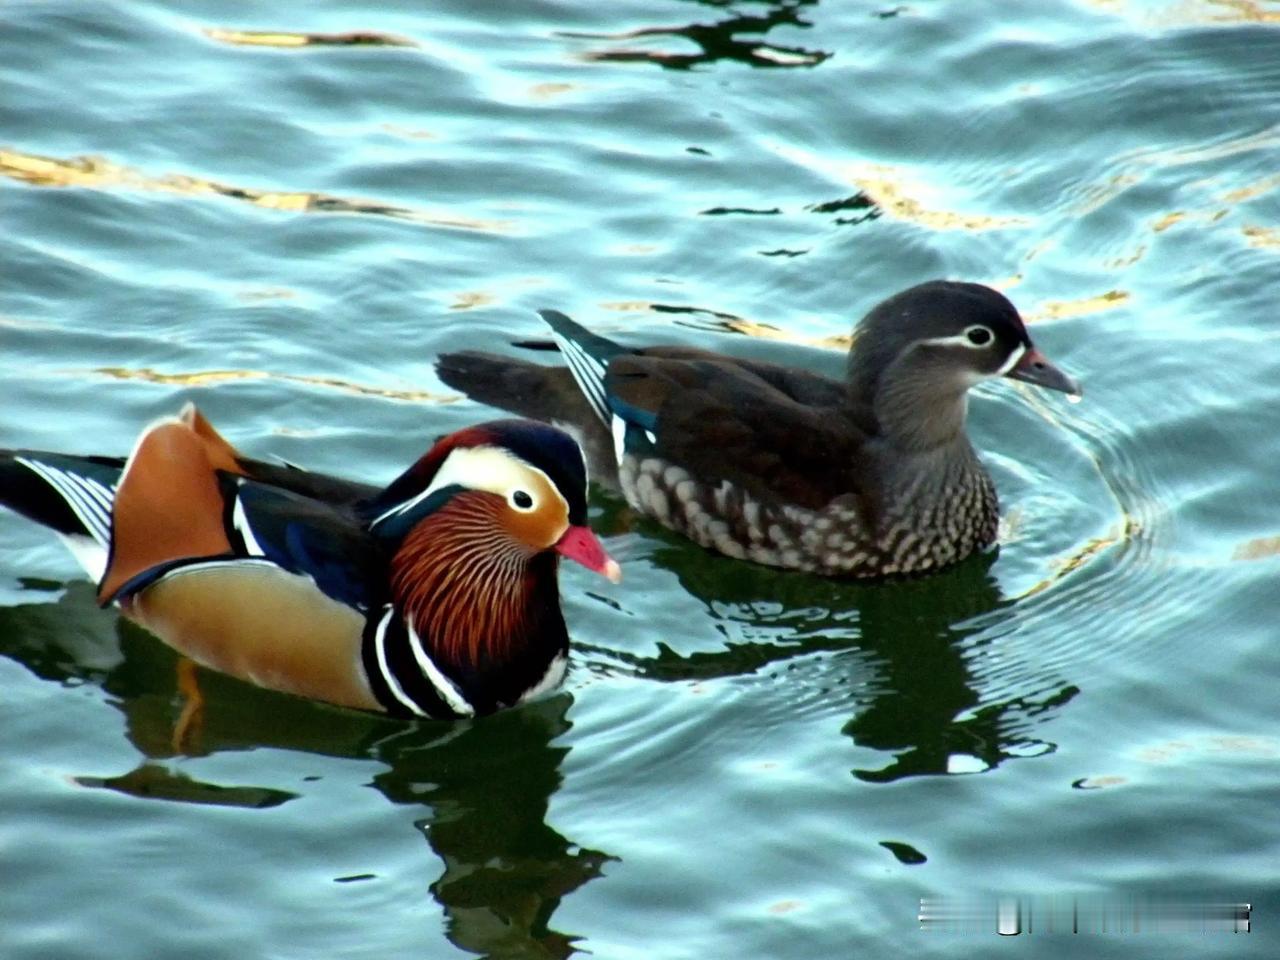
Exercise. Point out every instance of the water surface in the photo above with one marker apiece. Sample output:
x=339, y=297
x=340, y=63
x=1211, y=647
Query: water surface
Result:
x=285, y=213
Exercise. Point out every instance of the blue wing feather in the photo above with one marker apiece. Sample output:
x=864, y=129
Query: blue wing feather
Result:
x=312, y=539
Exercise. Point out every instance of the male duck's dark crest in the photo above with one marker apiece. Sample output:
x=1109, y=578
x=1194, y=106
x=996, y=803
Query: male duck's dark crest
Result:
x=868, y=477
x=436, y=596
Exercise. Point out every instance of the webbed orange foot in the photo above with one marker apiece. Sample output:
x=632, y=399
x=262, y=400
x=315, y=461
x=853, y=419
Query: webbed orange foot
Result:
x=191, y=720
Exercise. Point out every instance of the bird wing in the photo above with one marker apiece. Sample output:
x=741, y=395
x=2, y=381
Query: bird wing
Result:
x=798, y=383
x=257, y=581
x=748, y=423
x=336, y=491
x=68, y=493
x=307, y=537
x=587, y=356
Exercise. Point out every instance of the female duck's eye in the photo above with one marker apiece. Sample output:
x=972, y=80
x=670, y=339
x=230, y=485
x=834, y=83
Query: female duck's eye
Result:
x=521, y=500
x=979, y=335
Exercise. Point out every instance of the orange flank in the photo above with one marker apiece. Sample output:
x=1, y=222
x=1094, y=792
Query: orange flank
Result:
x=168, y=506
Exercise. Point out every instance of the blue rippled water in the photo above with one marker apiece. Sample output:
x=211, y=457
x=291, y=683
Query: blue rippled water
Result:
x=286, y=211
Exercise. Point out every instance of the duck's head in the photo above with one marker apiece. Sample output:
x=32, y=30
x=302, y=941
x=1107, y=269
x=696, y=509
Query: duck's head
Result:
x=512, y=488
x=917, y=354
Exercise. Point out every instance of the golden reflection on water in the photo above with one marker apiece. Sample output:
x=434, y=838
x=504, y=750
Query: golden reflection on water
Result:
x=720, y=322
x=1253, y=190
x=1095, y=196
x=1215, y=207
x=1126, y=260
x=98, y=173
x=469, y=300
x=1128, y=529
x=547, y=91
x=1246, y=745
x=627, y=306
x=261, y=294
x=279, y=38
x=765, y=331
x=206, y=377
x=1083, y=306
x=729, y=323
x=1193, y=11
x=1268, y=237
x=891, y=190
x=409, y=133
x=1259, y=548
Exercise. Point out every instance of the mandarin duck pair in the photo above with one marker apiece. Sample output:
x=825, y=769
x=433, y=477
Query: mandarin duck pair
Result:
x=438, y=597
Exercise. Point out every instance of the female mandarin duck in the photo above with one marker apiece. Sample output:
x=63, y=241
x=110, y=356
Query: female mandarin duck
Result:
x=434, y=597
x=865, y=477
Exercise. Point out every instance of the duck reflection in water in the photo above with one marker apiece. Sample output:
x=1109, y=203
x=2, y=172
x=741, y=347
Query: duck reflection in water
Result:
x=735, y=36
x=483, y=787
x=908, y=656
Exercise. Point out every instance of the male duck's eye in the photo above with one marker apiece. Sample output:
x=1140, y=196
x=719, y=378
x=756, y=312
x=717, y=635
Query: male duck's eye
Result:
x=979, y=336
x=521, y=500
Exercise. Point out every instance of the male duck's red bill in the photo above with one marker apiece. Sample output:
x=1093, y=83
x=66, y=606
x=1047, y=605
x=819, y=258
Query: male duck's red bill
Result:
x=436, y=596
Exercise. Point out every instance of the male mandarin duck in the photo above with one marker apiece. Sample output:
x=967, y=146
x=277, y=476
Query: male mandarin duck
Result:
x=436, y=596
x=866, y=477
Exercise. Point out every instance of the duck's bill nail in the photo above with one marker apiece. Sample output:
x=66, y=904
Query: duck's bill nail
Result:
x=581, y=545
x=612, y=570
x=1035, y=367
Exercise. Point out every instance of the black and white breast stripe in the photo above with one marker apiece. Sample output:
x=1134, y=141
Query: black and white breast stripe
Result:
x=588, y=373
x=88, y=499
x=402, y=674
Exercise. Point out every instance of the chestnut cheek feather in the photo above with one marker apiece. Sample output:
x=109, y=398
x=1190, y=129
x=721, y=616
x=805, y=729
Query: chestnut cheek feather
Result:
x=463, y=590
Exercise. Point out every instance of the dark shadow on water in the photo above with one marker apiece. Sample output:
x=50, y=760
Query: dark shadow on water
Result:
x=488, y=785
x=915, y=689
x=483, y=788
x=860, y=208
x=907, y=660
x=736, y=35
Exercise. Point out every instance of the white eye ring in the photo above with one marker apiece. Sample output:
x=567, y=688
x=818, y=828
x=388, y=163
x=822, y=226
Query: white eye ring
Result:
x=979, y=336
x=521, y=500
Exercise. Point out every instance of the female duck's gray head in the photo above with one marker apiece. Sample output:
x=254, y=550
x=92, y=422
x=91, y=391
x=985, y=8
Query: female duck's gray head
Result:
x=917, y=354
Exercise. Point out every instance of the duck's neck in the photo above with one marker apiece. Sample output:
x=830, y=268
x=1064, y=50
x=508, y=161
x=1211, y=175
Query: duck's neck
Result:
x=918, y=414
x=486, y=609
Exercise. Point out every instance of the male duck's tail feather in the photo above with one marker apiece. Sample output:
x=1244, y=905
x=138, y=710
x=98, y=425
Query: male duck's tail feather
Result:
x=71, y=495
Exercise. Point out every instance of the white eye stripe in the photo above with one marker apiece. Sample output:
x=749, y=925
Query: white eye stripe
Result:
x=962, y=339
x=491, y=469
x=1014, y=356
x=956, y=340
